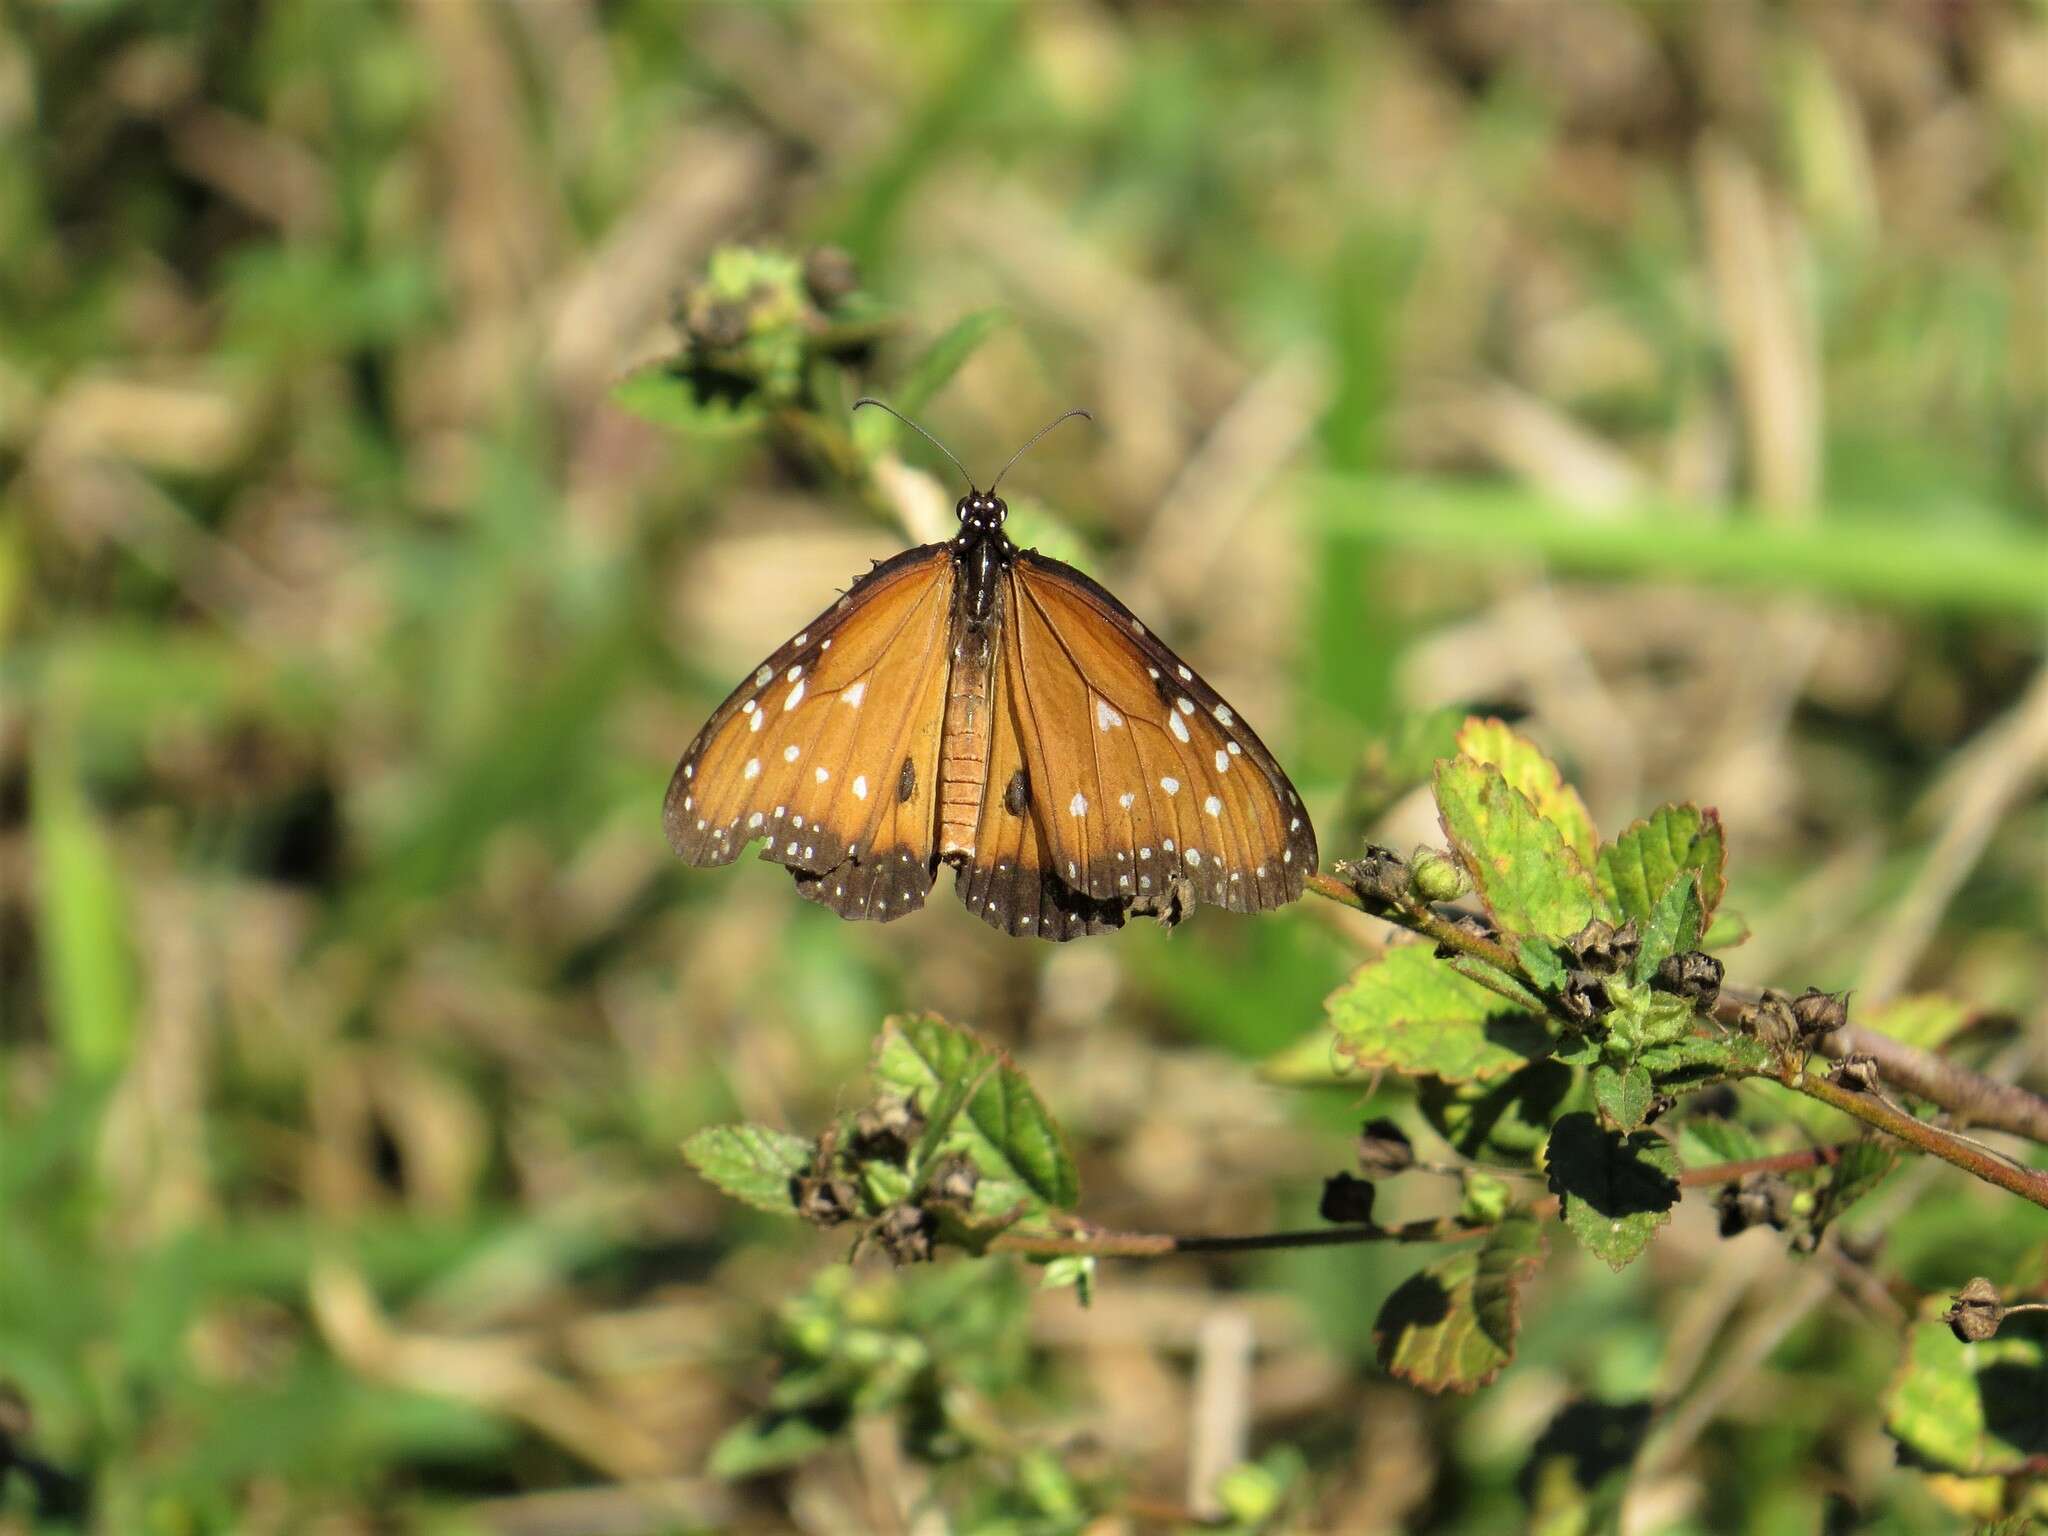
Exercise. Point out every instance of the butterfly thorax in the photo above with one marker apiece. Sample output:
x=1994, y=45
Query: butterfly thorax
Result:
x=982, y=555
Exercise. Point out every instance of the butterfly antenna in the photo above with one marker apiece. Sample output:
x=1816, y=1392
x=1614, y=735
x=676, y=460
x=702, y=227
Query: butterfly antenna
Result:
x=1076, y=411
x=920, y=431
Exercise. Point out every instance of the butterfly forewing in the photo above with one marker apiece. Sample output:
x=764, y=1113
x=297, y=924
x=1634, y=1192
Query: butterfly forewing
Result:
x=830, y=748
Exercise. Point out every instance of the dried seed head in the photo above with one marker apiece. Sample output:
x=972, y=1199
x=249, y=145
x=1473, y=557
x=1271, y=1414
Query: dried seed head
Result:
x=719, y=325
x=1760, y=1200
x=1585, y=996
x=1378, y=876
x=1820, y=1013
x=1692, y=974
x=1770, y=1019
x=1347, y=1198
x=887, y=1129
x=830, y=274
x=1602, y=947
x=1433, y=877
x=905, y=1233
x=1858, y=1073
x=953, y=1182
x=1976, y=1312
x=824, y=1201
x=1384, y=1150
x=1466, y=922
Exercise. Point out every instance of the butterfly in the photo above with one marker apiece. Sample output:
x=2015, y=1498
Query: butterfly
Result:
x=975, y=704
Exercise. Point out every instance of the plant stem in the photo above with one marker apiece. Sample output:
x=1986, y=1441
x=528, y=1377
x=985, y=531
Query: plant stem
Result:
x=1104, y=1243
x=1932, y=1139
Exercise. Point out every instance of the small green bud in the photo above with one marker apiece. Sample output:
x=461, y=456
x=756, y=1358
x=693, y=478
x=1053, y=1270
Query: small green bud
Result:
x=1249, y=1493
x=1434, y=877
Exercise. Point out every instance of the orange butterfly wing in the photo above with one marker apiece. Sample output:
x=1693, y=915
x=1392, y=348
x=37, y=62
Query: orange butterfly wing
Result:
x=1141, y=788
x=830, y=748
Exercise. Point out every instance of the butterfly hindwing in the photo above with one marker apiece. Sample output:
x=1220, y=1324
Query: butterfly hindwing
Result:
x=830, y=748
x=1148, y=788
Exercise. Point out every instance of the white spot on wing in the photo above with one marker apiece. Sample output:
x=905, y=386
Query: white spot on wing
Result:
x=1170, y=785
x=1185, y=675
x=1235, y=749
x=1222, y=761
x=854, y=694
x=860, y=786
x=792, y=674
x=1079, y=804
x=1194, y=858
x=753, y=768
x=796, y=695
x=754, y=720
x=763, y=674
x=1223, y=714
x=1106, y=717
x=1126, y=799
x=754, y=820
x=1185, y=706
x=789, y=753
x=800, y=639
x=1213, y=806
x=823, y=775
x=1178, y=726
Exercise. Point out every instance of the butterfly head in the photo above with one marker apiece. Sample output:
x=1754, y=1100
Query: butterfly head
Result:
x=981, y=511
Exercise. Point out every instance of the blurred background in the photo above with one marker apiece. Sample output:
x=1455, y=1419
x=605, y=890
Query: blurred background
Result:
x=1667, y=377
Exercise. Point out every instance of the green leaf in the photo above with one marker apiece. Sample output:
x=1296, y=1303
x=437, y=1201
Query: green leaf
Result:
x=1638, y=866
x=1674, y=925
x=937, y=364
x=82, y=915
x=752, y=1163
x=1504, y=1122
x=1700, y=1061
x=1541, y=961
x=1452, y=1327
x=1640, y=1018
x=1075, y=1271
x=1704, y=1141
x=1971, y=1408
x=1927, y=1019
x=1863, y=1166
x=1003, y=1128
x=1411, y=1013
x=1522, y=763
x=691, y=401
x=1623, y=1094
x=768, y=1443
x=1532, y=883
x=1617, y=1190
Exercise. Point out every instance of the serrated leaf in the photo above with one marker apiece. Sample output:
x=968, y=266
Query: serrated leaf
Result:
x=1674, y=925
x=1532, y=883
x=1506, y=1121
x=1926, y=1019
x=1003, y=1128
x=1637, y=866
x=1623, y=1094
x=1640, y=1018
x=1452, y=1327
x=1704, y=1141
x=1522, y=763
x=1541, y=961
x=752, y=1163
x=1617, y=1190
x=1971, y=1408
x=767, y=1443
x=691, y=402
x=948, y=352
x=1682, y=1066
x=1411, y=1013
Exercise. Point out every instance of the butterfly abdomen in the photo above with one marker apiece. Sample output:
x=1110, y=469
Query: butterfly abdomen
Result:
x=963, y=763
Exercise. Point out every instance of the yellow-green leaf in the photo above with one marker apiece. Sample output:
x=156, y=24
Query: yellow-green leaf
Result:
x=1971, y=1408
x=1638, y=866
x=1531, y=881
x=1410, y=1012
x=752, y=1163
x=1522, y=763
x=1617, y=1190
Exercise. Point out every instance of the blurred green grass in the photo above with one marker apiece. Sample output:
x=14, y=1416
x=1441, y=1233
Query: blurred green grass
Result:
x=350, y=632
